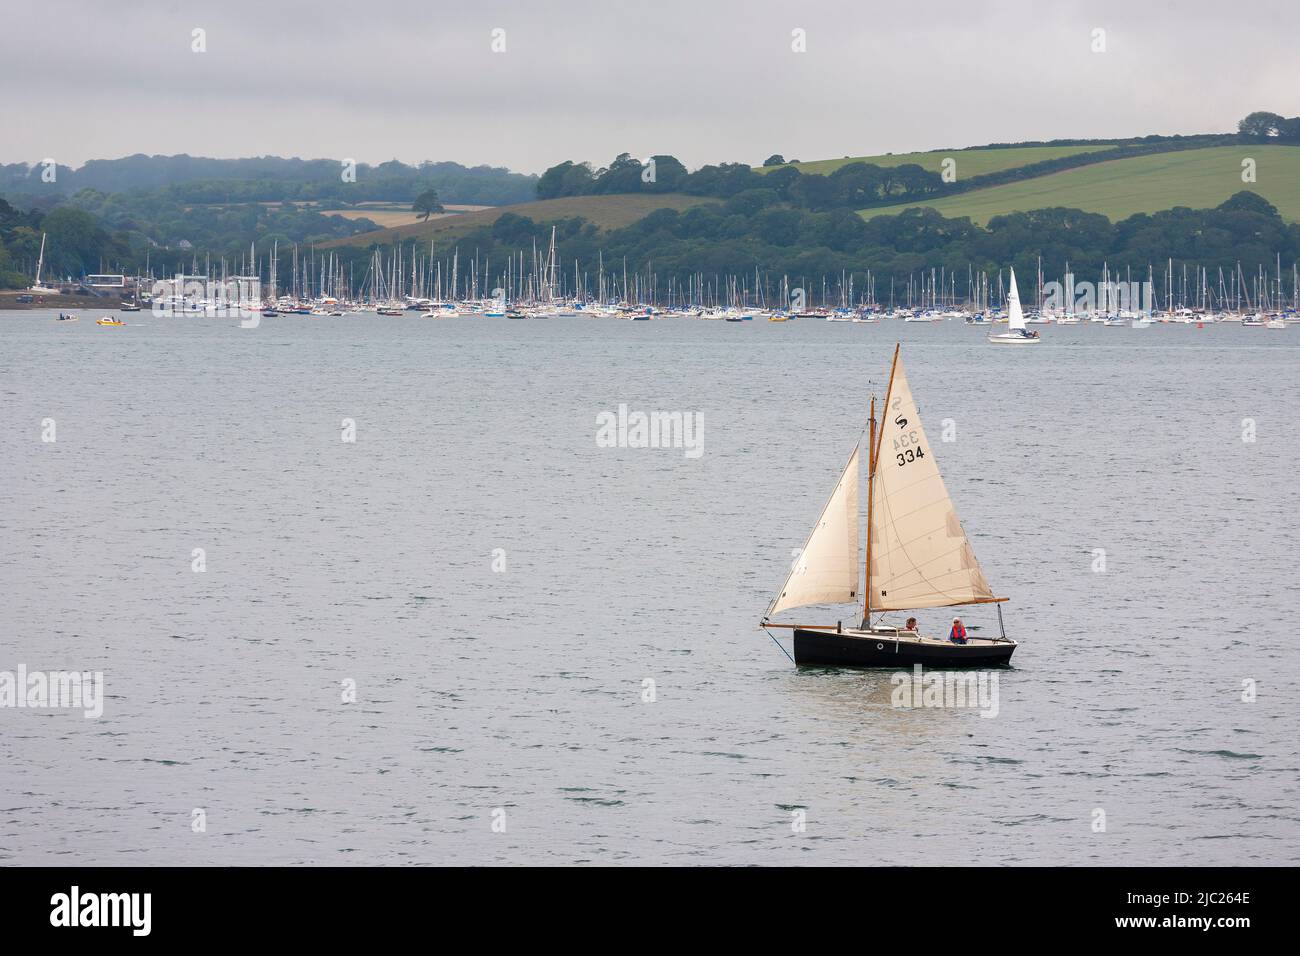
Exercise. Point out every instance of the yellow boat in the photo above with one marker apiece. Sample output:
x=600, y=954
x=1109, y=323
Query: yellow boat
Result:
x=778, y=317
x=108, y=320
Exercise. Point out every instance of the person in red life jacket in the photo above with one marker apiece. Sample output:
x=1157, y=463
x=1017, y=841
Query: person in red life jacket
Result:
x=910, y=625
x=958, y=633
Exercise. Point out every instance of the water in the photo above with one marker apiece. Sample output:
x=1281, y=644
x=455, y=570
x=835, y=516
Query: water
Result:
x=476, y=689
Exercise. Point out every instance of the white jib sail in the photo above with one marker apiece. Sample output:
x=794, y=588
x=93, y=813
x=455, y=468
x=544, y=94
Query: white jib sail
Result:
x=1015, y=316
x=826, y=571
x=919, y=553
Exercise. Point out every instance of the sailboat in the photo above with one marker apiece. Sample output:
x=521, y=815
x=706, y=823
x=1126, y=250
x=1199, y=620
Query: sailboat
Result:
x=1017, y=333
x=917, y=555
x=36, y=287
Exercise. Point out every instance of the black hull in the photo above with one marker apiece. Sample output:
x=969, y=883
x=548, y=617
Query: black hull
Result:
x=829, y=649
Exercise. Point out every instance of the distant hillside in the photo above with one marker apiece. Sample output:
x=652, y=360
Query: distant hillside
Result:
x=1196, y=178
x=605, y=212
x=198, y=179
x=970, y=162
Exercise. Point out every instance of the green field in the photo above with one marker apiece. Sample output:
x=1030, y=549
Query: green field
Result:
x=1196, y=178
x=606, y=212
x=970, y=162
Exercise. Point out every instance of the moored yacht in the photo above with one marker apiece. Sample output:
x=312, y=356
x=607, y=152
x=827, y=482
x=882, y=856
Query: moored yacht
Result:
x=1017, y=333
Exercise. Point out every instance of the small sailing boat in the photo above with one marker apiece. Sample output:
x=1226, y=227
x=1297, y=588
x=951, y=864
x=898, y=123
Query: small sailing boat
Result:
x=36, y=287
x=1017, y=333
x=917, y=555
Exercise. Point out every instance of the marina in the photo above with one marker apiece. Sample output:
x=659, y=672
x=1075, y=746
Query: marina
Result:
x=407, y=281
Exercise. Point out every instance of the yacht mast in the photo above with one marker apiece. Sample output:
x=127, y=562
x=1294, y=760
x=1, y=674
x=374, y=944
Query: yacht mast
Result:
x=873, y=453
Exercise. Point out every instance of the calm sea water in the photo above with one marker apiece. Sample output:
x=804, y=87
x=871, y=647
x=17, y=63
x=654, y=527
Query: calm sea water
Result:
x=522, y=689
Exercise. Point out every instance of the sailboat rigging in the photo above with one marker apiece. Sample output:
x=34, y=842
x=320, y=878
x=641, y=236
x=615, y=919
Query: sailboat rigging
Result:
x=917, y=554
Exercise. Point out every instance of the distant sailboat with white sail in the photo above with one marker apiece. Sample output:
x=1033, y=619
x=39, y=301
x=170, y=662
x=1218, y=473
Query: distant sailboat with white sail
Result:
x=1017, y=332
x=36, y=287
x=917, y=555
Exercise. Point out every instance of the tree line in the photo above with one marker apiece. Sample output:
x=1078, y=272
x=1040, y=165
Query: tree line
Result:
x=851, y=186
x=197, y=179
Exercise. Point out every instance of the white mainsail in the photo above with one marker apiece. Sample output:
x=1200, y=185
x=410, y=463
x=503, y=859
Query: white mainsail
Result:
x=40, y=262
x=919, y=555
x=827, y=569
x=1015, y=317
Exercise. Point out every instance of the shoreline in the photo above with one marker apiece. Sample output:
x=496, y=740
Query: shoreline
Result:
x=9, y=302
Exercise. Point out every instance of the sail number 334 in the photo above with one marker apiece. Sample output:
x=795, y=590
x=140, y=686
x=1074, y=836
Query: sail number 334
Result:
x=907, y=446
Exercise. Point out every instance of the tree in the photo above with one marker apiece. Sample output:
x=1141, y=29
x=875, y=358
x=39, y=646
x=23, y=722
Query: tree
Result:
x=669, y=175
x=1247, y=201
x=622, y=176
x=1261, y=125
x=566, y=179
x=77, y=242
x=776, y=159
x=426, y=204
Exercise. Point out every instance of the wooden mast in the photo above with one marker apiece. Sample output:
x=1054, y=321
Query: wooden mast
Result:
x=873, y=450
x=871, y=474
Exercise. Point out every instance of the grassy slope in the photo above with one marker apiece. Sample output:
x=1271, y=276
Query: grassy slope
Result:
x=970, y=162
x=389, y=215
x=1197, y=178
x=607, y=212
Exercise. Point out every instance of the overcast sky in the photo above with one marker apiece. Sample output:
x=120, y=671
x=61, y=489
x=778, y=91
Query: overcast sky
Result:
x=704, y=80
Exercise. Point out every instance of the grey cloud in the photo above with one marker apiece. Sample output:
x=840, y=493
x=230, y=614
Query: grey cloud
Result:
x=705, y=81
